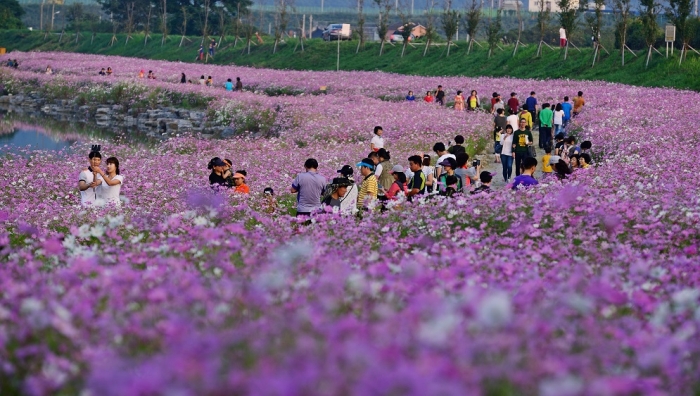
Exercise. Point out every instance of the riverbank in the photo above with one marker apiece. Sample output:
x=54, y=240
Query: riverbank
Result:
x=319, y=55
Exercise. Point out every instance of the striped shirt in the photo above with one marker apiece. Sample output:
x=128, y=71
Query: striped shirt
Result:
x=368, y=187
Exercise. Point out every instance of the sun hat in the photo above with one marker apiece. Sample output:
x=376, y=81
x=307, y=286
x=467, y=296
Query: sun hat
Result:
x=346, y=170
x=367, y=163
x=449, y=162
x=341, y=182
x=397, y=169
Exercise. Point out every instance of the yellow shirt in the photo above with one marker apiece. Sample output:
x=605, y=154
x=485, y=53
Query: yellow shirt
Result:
x=527, y=116
x=369, y=188
x=546, y=167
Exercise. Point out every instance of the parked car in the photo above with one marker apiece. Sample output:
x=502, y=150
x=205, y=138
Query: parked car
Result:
x=336, y=31
x=396, y=37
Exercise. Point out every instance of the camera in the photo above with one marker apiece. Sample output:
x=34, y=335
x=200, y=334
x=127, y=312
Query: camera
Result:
x=476, y=163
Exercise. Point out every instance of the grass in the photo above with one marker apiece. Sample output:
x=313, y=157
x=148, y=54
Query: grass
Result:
x=319, y=55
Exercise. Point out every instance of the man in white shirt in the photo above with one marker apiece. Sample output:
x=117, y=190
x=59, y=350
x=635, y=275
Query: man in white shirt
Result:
x=514, y=121
x=87, y=182
x=562, y=37
x=443, y=154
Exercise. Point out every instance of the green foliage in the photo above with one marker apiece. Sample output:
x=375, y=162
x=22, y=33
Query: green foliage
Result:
x=493, y=32
x=567, y=15
x=473, y=18
x=678, y=14
x=648, y=10
x=11, y=14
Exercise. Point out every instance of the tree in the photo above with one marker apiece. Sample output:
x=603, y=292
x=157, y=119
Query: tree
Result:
x=544, y=17
x=430, y=31
x=472, y=20
x=622, y=10
x=567, y=19
x=595, y=21
x=678, y=14
x=648, y=10
x=383, y=26
x=520, y=26
x=450, y=23
x=164, y=21
x=406, y=28
x=493, y=31
x=281, y=21
x=11, y=15
x=360, y=24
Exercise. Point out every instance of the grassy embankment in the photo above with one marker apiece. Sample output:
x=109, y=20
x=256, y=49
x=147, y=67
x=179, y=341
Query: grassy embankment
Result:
x=319, y=55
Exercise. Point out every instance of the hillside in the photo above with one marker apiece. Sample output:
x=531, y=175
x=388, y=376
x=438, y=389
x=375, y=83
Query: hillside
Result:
x=319, y=55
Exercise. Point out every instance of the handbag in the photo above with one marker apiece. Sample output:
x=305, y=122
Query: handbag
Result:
x=531, y=152
x=498, y=149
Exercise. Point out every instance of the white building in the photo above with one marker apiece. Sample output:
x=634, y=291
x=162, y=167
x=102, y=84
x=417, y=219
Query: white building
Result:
x=551, y=5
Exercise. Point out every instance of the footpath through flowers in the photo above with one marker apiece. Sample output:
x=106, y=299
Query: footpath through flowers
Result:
x=583, y=285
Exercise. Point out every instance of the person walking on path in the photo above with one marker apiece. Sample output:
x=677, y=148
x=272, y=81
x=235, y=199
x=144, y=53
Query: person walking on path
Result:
x=546, y=118
x=567, y=108
x=522, y=139
x=531, y=103
x=309, y=187
x=507, y=153
x=513, y=103
x=558, y=119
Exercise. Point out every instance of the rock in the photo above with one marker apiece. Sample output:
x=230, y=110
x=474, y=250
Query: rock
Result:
x=228, y=132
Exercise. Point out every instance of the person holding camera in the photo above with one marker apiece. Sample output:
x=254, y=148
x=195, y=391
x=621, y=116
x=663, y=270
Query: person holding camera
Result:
x=87, y=180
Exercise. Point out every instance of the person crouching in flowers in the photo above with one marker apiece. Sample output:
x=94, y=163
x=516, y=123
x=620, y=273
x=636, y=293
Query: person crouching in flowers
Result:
x=339, y=188
x=108, y=191
x=216, y=178
x=239, y=183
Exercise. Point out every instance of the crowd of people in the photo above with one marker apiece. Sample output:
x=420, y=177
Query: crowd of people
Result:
x=98, y=186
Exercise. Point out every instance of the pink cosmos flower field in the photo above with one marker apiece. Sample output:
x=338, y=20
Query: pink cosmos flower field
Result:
x=586, y=287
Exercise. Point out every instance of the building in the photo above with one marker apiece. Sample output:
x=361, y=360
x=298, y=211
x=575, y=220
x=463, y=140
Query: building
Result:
x=551, y=5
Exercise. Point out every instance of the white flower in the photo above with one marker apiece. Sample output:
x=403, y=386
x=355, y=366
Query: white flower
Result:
x=567, y=385
x=495, y=309
x=437, y=330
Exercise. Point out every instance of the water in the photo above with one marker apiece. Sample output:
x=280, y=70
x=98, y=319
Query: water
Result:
x=36, y=140
x=22, y=135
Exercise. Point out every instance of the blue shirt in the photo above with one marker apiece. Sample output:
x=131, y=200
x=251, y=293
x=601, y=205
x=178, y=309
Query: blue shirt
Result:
x=525, y=181
x=566, y=106
x=309, y=186
x=410, y=98
x=229, y=86
x=531, y=103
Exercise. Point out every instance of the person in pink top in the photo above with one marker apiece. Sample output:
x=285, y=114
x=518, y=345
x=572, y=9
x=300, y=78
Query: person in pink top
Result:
x=399, y=183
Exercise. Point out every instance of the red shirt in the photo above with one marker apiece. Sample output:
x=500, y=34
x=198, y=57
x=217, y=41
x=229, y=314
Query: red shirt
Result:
x=429, y=99
x=513, y=103
x=394, y=189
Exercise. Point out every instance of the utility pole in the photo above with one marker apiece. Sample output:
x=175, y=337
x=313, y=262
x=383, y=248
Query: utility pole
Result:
x=53, y=6
x=322, y=6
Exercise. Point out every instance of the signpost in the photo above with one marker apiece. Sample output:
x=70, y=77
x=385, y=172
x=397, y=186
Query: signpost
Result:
x=670, y=37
